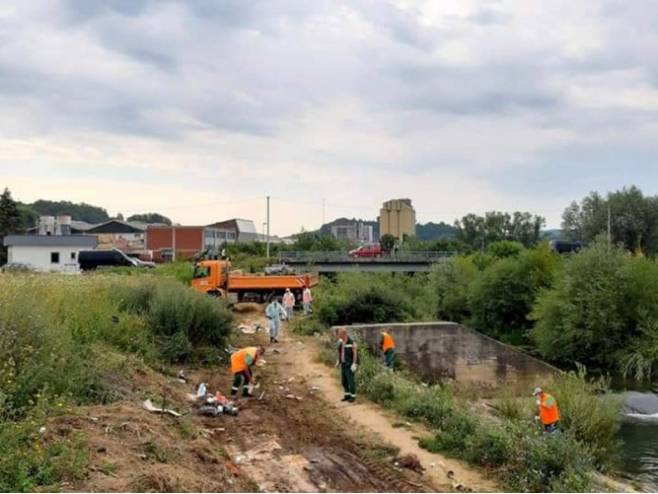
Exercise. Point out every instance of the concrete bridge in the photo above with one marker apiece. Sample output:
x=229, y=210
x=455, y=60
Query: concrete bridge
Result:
x=440, y=350
x=340, y=262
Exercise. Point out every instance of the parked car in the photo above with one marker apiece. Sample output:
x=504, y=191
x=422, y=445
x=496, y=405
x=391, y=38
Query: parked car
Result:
x=371, y=250
x=17, y=267
x=92, y=259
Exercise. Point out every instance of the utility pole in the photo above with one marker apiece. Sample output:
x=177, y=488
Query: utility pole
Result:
x=173, y=243
x=323, y=211
x=267, y=252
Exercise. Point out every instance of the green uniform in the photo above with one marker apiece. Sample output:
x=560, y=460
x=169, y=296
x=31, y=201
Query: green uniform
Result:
x=347, y=357
x=389, y=357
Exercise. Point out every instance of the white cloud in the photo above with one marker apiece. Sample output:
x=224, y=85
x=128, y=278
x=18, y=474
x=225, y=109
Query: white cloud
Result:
x=354, y=102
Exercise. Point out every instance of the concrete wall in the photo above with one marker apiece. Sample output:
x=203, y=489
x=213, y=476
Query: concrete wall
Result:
x=439, y=350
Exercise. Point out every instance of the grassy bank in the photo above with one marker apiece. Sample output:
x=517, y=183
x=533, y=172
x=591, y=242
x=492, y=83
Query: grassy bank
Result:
x=504, y=439
x=64, y=342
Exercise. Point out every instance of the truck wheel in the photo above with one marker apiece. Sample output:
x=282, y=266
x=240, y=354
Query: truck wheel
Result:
x=240, y=297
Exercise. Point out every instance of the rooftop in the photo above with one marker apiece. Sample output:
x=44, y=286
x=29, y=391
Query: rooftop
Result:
x=87, y=241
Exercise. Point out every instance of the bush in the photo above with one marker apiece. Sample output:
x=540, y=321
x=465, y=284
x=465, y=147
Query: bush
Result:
x=502, y=297
x=590, y=414
x=180, y=319
x=602, y=312
x=504, y=248
x=450, y=281
x=373, y=298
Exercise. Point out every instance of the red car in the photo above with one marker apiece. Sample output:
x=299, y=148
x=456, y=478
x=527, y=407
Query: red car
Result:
x=373, y=250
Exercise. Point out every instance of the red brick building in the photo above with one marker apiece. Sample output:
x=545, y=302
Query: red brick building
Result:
x=170, y=243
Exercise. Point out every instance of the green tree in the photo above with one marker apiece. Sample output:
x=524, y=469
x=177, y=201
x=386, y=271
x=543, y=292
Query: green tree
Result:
x=505, y=248
x=478, y=232
x=581, y=319
x=150, y=218
x=633, y=219
x=387, y=242
x=502, y=297
x=314, y=241
x=81, y=211
x=450, y=281
x=10, y=221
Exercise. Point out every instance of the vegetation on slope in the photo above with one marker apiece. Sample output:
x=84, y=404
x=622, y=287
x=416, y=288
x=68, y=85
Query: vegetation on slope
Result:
x=59, y=338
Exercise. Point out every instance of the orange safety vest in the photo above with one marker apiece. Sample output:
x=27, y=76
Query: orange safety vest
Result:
x=548, y=411
x=387, y=342
x=239, y=359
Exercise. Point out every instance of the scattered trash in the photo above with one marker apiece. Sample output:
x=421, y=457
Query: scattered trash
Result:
x=411, y=462
x=101, y=449
x=432, y=465
x=315, y=388
x=290, y=396
x=201, y=390
x=147, y=405
x=182, y=378
x=261, y=362
x=217, y=405
x=450, y=474
x=261, y=396
x=93, y=419
x=459, y=486
x=299, y=398
x=250, y=329
x=42, y=430
x=291, y=379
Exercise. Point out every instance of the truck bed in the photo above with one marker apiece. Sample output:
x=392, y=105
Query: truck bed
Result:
x=255, y=282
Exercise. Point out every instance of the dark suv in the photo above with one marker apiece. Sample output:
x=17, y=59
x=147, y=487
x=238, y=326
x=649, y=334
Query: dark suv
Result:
x=91, y=259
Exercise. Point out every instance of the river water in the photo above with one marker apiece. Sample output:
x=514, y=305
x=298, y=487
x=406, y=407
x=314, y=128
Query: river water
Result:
x=639, y=432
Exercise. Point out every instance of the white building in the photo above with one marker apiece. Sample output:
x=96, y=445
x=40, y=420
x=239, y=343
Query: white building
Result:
x=48, y=252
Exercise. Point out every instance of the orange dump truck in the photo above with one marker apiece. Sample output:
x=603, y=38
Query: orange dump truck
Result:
x=216, y=278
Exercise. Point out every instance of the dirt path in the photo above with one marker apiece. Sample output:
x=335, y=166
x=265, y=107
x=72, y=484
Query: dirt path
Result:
x=292, y=369
x=444, y=473
x=291, y=439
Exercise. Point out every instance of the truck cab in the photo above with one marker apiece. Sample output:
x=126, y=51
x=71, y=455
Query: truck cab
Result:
x=211, y=277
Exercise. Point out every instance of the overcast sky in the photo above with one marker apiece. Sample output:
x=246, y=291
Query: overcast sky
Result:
x=200, y=109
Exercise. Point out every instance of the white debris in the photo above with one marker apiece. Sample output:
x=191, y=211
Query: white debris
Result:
x=151, y=408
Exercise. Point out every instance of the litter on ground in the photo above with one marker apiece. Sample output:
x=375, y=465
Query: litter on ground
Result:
x=148, y=405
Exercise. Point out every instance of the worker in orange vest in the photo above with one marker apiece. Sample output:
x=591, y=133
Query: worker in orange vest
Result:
x=387, y=345
x=548, y=410
x=241, y=362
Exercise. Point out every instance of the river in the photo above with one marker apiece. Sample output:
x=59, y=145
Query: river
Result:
x=639, y=432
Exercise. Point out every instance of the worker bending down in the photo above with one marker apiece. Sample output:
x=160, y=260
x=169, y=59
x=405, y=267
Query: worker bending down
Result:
x=548, y=410
x=387, y=344
x=347, y=359
x=241, y=362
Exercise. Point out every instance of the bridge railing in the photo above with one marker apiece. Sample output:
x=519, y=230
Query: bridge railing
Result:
x=311, y=257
